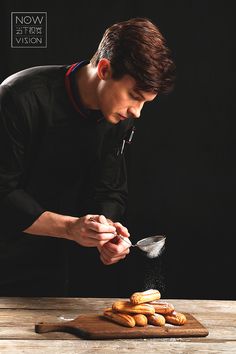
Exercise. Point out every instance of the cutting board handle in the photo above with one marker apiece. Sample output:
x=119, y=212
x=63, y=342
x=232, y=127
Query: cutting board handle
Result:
x=44, y=327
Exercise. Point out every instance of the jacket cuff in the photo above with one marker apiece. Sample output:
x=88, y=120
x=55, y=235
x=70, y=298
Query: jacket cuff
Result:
x=18, y=211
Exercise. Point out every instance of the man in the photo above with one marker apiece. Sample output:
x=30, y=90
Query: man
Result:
x=63, y=131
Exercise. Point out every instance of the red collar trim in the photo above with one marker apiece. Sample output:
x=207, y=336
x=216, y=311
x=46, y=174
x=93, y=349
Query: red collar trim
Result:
x=69, y=89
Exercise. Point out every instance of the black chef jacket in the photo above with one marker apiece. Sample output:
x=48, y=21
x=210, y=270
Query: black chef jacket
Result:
x=54, y=155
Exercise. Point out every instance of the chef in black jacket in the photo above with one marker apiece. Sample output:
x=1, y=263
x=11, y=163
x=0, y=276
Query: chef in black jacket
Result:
x=63, y=132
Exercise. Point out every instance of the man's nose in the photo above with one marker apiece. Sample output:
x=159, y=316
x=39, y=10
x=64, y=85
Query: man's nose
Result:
x=135, y=111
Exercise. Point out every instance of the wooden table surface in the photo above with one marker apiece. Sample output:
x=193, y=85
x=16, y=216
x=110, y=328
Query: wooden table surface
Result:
x=19, y=315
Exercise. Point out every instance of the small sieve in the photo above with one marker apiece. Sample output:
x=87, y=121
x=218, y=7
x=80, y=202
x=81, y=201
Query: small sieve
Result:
x=152, y=245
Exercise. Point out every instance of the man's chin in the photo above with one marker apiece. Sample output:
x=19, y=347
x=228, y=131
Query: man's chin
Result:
x=112, y=119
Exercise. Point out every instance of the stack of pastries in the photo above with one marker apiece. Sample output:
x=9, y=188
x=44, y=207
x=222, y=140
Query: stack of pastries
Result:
x=142, y=309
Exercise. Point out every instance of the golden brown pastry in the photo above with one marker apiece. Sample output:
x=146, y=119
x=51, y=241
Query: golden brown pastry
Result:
x=156, y=320
x=121, y=318
x=140, y=320
x=176, y=318
x=145, y=296
x=162, y=307
x=127, y=307
x=107, y=309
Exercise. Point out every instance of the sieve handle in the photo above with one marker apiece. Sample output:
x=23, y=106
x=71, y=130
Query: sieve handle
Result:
x=125, y=240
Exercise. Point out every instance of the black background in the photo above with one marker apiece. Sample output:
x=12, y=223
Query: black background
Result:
x=182, y=163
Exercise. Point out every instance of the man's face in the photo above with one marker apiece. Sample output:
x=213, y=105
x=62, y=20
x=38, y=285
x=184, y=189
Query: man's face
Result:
x=119, y=100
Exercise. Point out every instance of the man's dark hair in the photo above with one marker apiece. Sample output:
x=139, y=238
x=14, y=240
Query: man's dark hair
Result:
x=137, y=48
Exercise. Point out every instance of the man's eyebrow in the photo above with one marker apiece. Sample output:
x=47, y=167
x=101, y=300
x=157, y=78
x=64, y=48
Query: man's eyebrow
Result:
x=139, y=94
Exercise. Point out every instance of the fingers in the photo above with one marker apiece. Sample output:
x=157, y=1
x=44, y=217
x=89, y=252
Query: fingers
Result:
x=103, y=220
x=111, y=253
x=116, y=227
x=108, y=256
x=100, y=225
x=116, y=245
x=116, y=249
x=91, y=238
x=111, y=260
x=89, y=232
x=122, y=230
x=97, y=231
x=107, y=260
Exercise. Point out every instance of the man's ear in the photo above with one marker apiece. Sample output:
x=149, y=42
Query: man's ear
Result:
x=104, y=69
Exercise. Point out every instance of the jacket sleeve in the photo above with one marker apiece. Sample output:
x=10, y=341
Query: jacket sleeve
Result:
x=111, y=191
x=18, y=209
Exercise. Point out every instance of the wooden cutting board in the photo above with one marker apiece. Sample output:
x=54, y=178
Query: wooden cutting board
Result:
x=93, y=326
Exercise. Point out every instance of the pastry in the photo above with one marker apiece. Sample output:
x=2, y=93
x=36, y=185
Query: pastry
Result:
x=156, y=320
x=162, y=307
x=127, y=307
x=121, y=318
x=176, y=318
x=140, y=320
x=145, y=296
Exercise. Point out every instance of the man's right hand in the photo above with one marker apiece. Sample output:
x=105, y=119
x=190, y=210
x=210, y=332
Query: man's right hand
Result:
x=88, y=231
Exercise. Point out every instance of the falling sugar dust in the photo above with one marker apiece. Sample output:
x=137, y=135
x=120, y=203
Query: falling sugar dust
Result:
x=151, y=270
x=154, y=278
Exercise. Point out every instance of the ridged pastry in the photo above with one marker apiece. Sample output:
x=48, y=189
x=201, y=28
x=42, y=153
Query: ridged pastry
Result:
x=176, y=318
x=145, y=296
x=162, y=307
x=156, y=320
x=127, y=307
x=140, y=320
x=121, y=318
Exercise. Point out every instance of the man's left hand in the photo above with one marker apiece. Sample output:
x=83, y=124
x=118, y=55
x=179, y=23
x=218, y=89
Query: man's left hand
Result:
x=113, y=251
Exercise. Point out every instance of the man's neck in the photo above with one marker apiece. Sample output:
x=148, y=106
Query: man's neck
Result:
x=87, y=81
